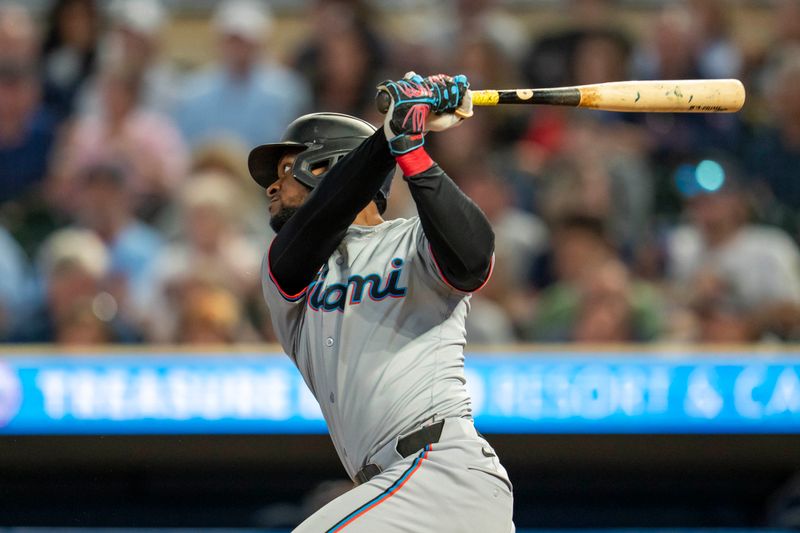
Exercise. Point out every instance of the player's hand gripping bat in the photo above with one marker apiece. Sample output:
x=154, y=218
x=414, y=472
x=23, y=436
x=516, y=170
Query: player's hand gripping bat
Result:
x=653, y=96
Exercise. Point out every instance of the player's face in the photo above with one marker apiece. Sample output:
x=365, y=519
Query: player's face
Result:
x=286, y=194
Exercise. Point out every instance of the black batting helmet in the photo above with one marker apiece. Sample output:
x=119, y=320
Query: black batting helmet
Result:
x=319, y=140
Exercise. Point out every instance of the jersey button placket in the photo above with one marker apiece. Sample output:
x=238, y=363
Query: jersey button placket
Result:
x=329, y=342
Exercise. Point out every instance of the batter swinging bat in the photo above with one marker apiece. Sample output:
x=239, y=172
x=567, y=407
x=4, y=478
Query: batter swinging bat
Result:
x=654, y=96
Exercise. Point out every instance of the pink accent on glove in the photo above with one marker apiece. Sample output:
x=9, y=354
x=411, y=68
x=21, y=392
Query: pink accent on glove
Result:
x=413, y=89
x=418, y=114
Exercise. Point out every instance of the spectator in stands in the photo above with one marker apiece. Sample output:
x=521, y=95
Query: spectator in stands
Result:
x=15, y=289
x=597, y=174
x=81, y=326
x=483, y=53
x=668, y=50
x=672, y=53
x=144, y=141
x=783, y=37
x=344, y=58
x=592, y=143
x=106, y=208
x=773, y=155
x=27, y=130
x=229, y=160
x=607, y=311
x=786, y=28
x=588, y=45
x=19, y=35
x=549, y=63
x=69, y=52
x=519, y=238
x=594, y=298
x=245, y=96
x=213, y=249
x=735, y=273
x=208, y=315
x=496, y=25
x=483, y=56
x=601, y=55
x=134, y=43
x=467, y=142
x=73, y=265
x=717, y=54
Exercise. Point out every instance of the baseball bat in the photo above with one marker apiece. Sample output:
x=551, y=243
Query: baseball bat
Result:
x=653, y=96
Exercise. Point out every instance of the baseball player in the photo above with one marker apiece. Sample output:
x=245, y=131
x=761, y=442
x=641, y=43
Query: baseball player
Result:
x=372, y=311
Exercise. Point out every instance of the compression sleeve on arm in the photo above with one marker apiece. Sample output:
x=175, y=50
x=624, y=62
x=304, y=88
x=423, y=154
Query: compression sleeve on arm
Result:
x=311, y=235
x=460, y=235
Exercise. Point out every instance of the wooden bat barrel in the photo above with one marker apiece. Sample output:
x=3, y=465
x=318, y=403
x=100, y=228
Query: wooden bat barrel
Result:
x=653, y=96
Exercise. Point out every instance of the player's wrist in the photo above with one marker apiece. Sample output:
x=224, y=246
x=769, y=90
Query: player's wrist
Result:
x=405, y=143
x=414, y=161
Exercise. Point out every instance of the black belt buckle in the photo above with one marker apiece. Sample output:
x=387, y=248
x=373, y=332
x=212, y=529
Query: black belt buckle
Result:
x=366, y=473
x=414, y=442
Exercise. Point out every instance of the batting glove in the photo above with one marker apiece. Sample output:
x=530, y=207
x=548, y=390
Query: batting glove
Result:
x=449, y=120
x=412, y=100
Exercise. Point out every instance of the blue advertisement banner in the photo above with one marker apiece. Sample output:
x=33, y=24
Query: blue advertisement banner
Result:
x=558, y=392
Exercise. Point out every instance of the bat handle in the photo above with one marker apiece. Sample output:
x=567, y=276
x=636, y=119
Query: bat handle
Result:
x=382, y=101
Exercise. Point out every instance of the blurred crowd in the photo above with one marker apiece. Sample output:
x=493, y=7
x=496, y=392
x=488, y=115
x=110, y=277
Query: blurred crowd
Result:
x=127, y=213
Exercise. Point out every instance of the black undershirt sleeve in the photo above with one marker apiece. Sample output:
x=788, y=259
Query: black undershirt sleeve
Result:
x=460, y=235
x=311, y=235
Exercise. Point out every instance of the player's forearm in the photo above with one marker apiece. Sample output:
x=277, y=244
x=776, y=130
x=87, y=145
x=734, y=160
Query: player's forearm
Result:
x=313, y=233
x=460, y=235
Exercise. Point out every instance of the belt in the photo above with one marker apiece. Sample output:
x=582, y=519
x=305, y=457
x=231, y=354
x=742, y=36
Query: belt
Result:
x=411, y=443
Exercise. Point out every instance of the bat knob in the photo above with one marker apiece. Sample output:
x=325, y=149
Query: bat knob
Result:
x=383, y=101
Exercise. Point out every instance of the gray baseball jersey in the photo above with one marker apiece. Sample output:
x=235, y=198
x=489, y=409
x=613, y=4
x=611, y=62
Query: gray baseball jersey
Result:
x=378, y=337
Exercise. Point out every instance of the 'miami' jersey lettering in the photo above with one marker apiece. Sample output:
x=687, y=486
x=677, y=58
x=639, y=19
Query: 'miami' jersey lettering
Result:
x=378, y=336
x=332, y=297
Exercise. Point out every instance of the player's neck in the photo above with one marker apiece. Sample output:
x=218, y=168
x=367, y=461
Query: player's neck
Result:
x=369, y=216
